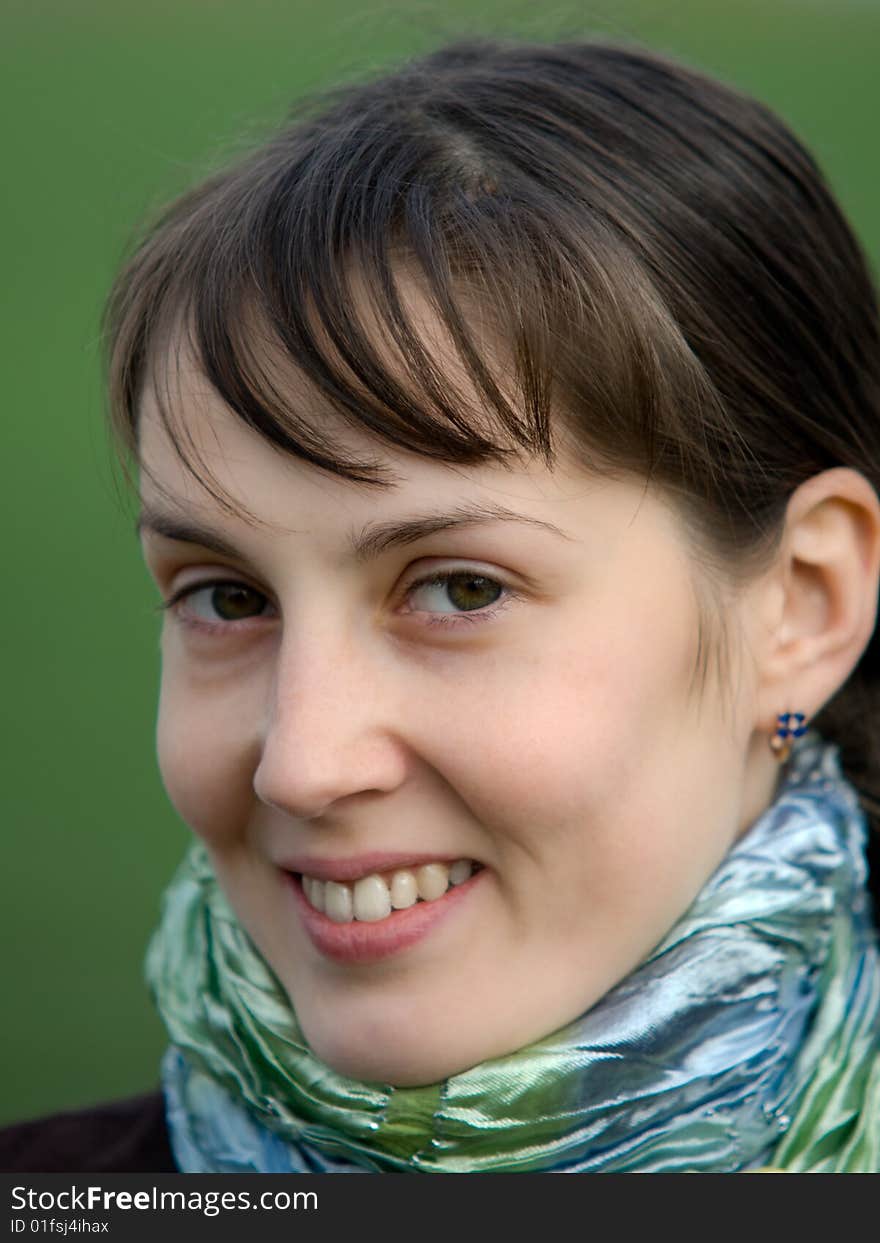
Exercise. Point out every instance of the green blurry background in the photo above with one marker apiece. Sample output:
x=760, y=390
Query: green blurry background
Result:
x=111, y=107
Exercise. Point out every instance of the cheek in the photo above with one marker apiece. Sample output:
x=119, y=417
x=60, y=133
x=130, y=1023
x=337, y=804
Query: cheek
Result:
x=578, y=726
x=206, y=765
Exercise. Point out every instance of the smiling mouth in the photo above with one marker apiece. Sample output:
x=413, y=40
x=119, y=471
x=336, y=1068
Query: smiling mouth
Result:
x=375, y=897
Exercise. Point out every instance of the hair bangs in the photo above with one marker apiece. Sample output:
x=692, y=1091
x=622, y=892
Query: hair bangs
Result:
x=413, y=290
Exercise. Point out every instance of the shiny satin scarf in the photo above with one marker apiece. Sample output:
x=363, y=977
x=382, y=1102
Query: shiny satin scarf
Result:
x=749, y=1037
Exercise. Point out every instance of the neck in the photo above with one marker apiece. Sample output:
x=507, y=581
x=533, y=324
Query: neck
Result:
x=762, y=781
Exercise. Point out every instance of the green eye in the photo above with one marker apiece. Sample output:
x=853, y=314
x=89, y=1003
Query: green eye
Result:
x=461, y=597
x=461, y=589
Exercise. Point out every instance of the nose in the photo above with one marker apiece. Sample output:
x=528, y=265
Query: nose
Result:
x=330, y=731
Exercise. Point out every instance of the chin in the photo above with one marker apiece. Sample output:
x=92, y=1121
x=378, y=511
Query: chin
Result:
x=378, y=1057
x=407, y=1045
x=377, y=1061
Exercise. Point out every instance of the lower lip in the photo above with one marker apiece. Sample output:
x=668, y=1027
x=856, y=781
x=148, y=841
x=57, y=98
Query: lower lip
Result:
x=361, y=941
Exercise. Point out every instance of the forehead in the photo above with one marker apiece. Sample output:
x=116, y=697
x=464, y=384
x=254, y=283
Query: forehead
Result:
x=349, y=531
x=199, y=460
x=198, y=456
x=554, y=529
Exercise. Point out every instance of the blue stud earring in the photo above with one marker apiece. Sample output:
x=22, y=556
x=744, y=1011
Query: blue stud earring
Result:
x=789, y=725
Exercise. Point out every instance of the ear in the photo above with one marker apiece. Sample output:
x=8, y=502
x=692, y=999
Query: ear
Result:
x=819, y=600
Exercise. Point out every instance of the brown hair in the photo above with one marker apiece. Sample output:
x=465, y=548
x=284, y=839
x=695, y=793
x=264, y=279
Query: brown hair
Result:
x=643, y=251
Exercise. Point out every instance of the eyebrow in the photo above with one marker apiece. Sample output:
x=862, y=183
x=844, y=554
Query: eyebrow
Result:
x=366, y=544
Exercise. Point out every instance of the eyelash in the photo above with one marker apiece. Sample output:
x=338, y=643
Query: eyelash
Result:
x=174, y=604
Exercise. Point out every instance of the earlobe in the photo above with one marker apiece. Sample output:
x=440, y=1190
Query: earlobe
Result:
x=828, y=566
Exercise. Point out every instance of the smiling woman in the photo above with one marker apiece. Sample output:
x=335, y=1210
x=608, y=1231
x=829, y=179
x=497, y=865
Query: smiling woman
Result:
x=476, y=694
x=508, y=448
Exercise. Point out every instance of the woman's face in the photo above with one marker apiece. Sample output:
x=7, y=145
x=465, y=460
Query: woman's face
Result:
x=480, y=667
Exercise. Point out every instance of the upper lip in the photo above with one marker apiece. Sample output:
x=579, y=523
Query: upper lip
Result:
x=353, y=867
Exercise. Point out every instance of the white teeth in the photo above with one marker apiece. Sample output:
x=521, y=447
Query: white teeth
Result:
x=404, y=892
x=337, y=903
x=373, y=897
x=460, y=871
x=432, y=880
x=314, y=890
x=372, y=900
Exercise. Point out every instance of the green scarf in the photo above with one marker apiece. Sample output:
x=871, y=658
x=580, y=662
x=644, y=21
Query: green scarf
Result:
x=750, y=1037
